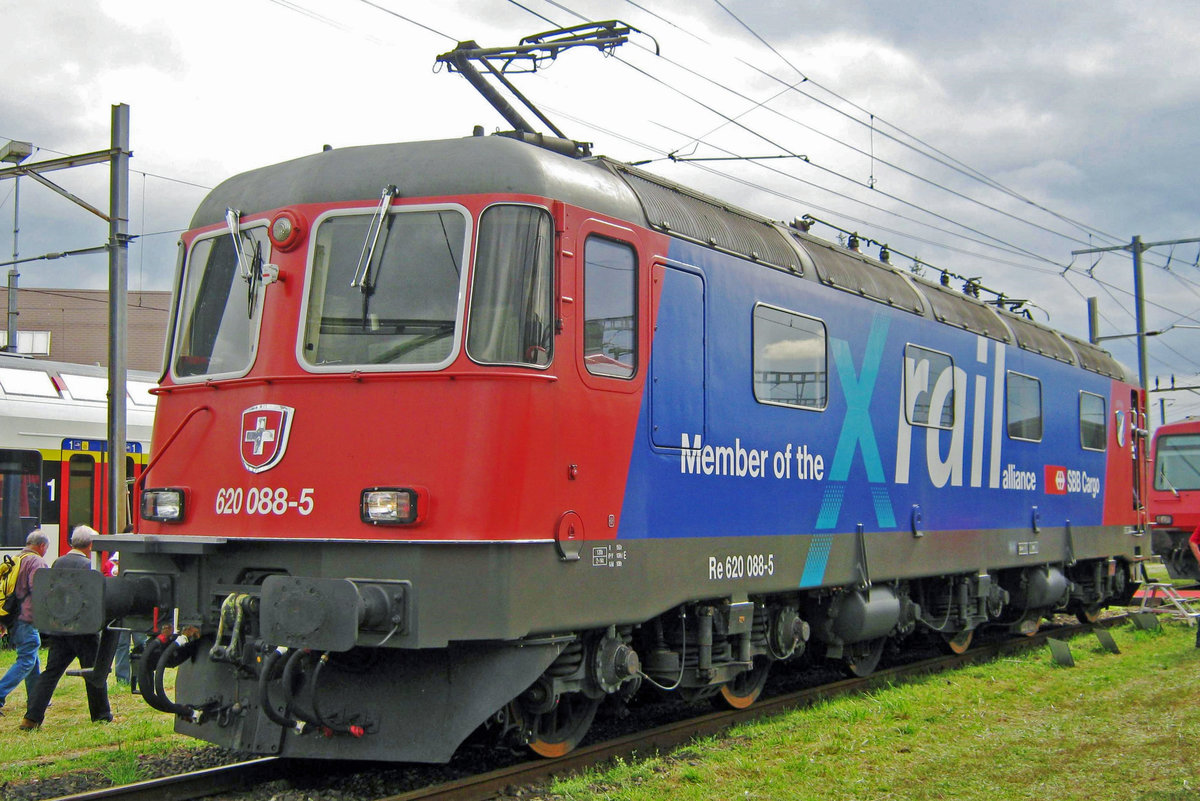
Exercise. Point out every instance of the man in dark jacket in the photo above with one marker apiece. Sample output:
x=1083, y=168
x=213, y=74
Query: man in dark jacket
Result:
x=24, y=635
x=66, y=648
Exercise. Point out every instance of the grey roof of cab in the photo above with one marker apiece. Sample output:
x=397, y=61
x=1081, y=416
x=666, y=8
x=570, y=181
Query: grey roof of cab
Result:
x=471, y=165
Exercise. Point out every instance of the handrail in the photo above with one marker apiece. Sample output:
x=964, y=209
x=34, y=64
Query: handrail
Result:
x=141, y=482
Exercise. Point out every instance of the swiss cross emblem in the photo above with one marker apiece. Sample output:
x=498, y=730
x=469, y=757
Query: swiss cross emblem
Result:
x=265, y=429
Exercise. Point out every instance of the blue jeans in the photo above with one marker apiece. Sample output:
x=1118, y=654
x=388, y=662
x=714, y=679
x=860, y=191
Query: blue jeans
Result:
x=121, y=658
x=25, y=641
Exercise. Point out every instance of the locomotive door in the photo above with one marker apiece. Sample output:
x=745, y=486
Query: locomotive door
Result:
x=83, y=485
x=677, y=391
x=1139, y=448
x=609, y=291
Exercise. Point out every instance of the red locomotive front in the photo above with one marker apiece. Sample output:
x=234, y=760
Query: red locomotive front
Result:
x=1174, y=497
x=320, y=385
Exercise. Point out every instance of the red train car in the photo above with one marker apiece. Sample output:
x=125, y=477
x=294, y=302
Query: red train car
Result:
x=1174, y=497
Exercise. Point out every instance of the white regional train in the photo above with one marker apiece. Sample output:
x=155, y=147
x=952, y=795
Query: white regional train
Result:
x=53, y=447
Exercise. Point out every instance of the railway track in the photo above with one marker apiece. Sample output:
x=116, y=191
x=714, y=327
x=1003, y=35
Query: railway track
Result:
x=198, y=784
x=243, y=776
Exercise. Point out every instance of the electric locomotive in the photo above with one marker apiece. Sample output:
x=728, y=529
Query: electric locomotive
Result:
x=1174, y=496
x=478, y=434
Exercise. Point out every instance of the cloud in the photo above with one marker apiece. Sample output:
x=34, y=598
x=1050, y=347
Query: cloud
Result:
x=1086, y=109
x=794, y=354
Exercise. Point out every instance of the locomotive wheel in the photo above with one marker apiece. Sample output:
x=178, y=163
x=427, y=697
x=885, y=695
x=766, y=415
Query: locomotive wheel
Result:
x=959, y=642
x=745, y=688
x=1030, y=623
x=864, y=657
x=1088, y=614
x=557, y=732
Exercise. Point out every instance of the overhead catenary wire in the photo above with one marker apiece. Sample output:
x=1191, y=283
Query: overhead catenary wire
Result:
x=1089, y=229
x=812, y=88
x=931, y=152
x=858, y=150
x=805, y=78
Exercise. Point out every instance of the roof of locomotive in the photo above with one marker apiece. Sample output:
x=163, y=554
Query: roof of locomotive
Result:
x=500, y=164
x=466, y=166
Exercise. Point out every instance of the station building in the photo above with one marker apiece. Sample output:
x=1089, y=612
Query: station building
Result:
x=71, y=325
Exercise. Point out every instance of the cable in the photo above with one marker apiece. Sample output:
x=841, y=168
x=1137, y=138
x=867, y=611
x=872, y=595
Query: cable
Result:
x=313, y=15
x=1002, y=245
x=952, y=164
x=409, y=20
x=965, y=169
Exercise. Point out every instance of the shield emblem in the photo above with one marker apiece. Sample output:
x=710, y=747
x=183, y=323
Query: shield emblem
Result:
x=265, y=429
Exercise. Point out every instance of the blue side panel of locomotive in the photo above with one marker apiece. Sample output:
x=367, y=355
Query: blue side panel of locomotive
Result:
x=677, y=394
x=782, y=470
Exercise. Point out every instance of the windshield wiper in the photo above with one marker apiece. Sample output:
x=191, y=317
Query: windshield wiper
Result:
x=254, y=280
x=376, y=236
x=233, y=223
x=1162, y=476
x=254, y=273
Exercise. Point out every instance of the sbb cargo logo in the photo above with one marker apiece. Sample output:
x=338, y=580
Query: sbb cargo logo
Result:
x=1056, y=480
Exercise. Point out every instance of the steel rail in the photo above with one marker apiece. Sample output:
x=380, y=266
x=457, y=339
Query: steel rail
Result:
x=186, y=786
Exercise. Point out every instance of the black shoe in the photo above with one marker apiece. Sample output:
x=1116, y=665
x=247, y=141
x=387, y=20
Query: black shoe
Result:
x=104, y=719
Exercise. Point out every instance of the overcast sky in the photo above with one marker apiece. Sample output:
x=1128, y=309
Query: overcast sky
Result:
x=985, y=139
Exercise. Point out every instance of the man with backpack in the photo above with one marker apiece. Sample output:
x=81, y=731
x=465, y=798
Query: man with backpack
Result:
x=21, y=632
x=66, y=648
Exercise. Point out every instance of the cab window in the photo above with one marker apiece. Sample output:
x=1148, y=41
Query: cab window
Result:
x=218, y=311
x=610, y=308
x=512, y=298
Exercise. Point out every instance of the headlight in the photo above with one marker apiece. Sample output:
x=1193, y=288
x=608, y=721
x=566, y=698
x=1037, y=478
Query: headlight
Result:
x=1164, y=520
x=389, y=505
x=163, y=504
x=287, y=230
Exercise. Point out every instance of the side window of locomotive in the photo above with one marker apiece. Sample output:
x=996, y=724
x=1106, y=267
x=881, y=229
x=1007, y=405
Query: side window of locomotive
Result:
x=790, y=360
x=217, y=312
x=20, y=495
x=1024, y=407
x=1093, y=435
x=512, y=299
x=1177, y=462
x=385, y=298
x=609, y=308
x=929, y=391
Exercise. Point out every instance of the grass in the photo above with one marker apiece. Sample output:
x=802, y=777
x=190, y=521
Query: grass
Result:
x=1113, y=728
x=69, y=741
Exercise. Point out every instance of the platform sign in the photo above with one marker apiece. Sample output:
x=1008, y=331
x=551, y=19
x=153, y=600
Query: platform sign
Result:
x=97, y=445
